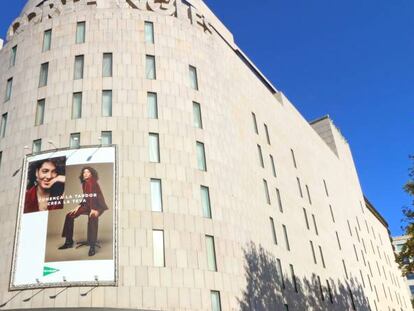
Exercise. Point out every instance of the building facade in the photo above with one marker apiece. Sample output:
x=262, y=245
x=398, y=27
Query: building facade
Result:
x=398, y=243
x=228, y=198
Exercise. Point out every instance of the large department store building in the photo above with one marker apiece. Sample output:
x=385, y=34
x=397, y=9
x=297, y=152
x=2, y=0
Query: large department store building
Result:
x=220, y=195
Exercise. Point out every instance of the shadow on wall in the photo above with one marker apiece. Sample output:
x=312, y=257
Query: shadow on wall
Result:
x=267, y=290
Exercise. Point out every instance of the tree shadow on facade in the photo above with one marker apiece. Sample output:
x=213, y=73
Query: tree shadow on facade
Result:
x=267, y=289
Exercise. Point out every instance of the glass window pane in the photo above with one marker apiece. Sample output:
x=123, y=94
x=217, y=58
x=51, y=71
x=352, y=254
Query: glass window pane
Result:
x=40, y=112
x=3, y=125
x=1, y=156
x=80, y=32
x=150, y=71
x=205, y=201
x=158, y=248
x=286, y=238
x=107, y=103
x=106, y=138
x=279, y=200
x=272, y=227
x=293, y=158
x=107, y=65
x=211, y=253
x=193, y=77
x=292, y=273
x=37, y=146
x=156, y=195
x=9, y=87
x=47, y=40
x=215, y=301
x=77, y=106
x=198, y=123
x=272, y=163
x=44, y=69
x=149, y=32
x=78, y=70
x=267, y=134
x=152, y=105
x=266, y=190
x=259, y=149
x=74, y=140
x=13, y=53
x=154, y=147
x=256, y=129
x=280, y=273
x=201, y=158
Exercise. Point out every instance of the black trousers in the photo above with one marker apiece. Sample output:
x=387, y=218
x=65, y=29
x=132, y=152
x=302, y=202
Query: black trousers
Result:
x=93, y=222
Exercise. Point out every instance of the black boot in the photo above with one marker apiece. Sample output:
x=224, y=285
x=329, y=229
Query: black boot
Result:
x=68, y=244
x=92, y=251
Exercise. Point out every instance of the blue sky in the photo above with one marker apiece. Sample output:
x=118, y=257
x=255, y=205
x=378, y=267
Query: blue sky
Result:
x=353, y=60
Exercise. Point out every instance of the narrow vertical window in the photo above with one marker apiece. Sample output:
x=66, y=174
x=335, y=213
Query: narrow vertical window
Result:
x=349, y=228
x=279, y=200
x=293, y=158
x=107, y=103
x=107, y=65
x=322, y=258
x=40, y=112
x=9, y=86
x=286, y=237
x=215, y=300
x=320, y=288
x=211, y=253
x=356, y=254
x=305, y=214
x=313, y=252
x=315, y=225
x=156, y=195
x=36, y=146
x=337, y=239
x=154, y=147
x=273, y=229
x=201, y=157
x=106, y=138
x=149, y=32
x=267, y=134
x=286, y=307
x=205, y=201
x=13, y=53
x=280, y=273
x=80, y=32
x=352, y=298
x=259, y=150
x=329, y=291
x=74, y=141
x=332, y=214
x=345, y=270
x=47, y=40
x=292, y=274
x=158, y=248
x=77, y=106
x=78, y=69
x=326, y=188
x=44, y=72
x=256, y=129
x=197, y=119
x=150, y=71
x=152, y=103
x=193, y=77
x=299, y=187
x=3, y=125
x=362, y=278
x=1, y=156
x=309, y=196
x=266, y=191
x=272, y=163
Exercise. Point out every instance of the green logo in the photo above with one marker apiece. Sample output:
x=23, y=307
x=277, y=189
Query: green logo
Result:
x=49, y=270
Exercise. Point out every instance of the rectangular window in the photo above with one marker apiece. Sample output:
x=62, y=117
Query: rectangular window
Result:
x=154, y=147
x=74, y=140
x=193, y=77
x=326, y=188
x=266, y=191
x=299, y=187
x=309, y=196
x=47, y=40
x=345, y=270
x=149, y=32
x=198, y=121
x=292, y=274
x=215, y=300
x=106, y=138
x=36, y=146
x=314, y=224
x=107, y=103
x=337, y=239
x=156, y=195
x=293, y=158
x=272, y=163
x=320, y=288
x=44, y=72
x=152, y=103
x=13, y=53
x=201, y=156
x=332, y=214
x=80, y=32
x=205, y=201
x=272, y=227
x=267, y=134
x=77, y=106
x=259, y=149
x=158, y=248
x=279, y=200
x=1, y=156
x=355, y=252
x=313, y=252
x=322, y=258
x=9, y=86
x=362, y=278
x=211, y=253
x=349, y=227
x=107, y=65
x=3, y=125
x=78, y=69
x=40, y=112
x=286, y=307
x=150, y=71
x=329, y=291
x=256, y=129
x=280, y=273
x=306, y=218
x=286, y=237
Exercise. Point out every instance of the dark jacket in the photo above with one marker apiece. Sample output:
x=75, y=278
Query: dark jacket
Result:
x=94, y=199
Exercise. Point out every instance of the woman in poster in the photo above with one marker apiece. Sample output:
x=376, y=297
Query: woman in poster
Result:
x=46, y=182
x=93, y=205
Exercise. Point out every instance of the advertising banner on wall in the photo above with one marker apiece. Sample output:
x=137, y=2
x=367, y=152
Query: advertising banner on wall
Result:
x=66, y=230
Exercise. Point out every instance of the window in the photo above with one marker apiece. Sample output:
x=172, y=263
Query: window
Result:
x=149, y=32
x=280, y=273
x=313, y=252
x=286, y=307
x=266, y=191
x=40, y=112
x=349, y=227
x=292, y=273
x=106, y=138
x=1, y=156
x=320, y=288
x=215, y=301
x=107, y=65
x=299, y=187
x=107, y=103
x=272, y=163
x=267, y=134
x=352, y=297
x=198, y=122
x=329, y=291
x=306, y=218
x=152, y=104
x=345, y=270
x=9, y=86
x=74, y=140
x=337, y=239
x=193, y=77
x=286, y=237
x=362, y=278
x=256, y=129
x=154, y=147
x=293, y=158
x=156, y=195
x=37, y=146
x=44, y=70
x=309, y=197
x=77, y=106
x=272, y=227
x=322, y=258
x=47, y=40
x=314, y=224
x=3, y=125
x=259, y=149
x=158, y=248
x=279, y=200
x=326, y=188
x=78, y=71
x=80, y=32
x=356, y=254
x=150, y=72
x=211, y=253
x=332, y=214
x=205, y=201
x=13, y=53
x=201, y=157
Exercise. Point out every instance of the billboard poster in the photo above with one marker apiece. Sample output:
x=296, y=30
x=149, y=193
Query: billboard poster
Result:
x=66, y=229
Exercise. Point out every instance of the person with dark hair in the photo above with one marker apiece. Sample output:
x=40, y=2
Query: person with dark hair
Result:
x=46, y=180
x=93, y=205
